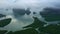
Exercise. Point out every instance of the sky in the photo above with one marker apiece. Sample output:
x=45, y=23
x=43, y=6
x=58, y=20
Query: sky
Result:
x=35, y=5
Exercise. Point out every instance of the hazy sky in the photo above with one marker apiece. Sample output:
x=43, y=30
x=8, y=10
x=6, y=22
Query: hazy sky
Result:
x=35, y=5
x=28, y=3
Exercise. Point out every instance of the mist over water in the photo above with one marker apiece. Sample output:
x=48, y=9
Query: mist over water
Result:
x=20, y=21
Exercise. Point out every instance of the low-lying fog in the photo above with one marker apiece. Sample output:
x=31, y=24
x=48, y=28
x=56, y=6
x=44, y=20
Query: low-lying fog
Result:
x=19, y=21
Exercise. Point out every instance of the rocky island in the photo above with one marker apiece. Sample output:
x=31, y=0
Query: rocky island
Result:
x=51, y=14
x=1, y=15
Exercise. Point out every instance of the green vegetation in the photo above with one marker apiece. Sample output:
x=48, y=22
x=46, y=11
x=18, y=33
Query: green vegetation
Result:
x=51, y=14
x=36, y=23
x=3, y=31
x=50, y=17
x=49, y=29
x=27, y=31
x=10, y=32
x=5, y=22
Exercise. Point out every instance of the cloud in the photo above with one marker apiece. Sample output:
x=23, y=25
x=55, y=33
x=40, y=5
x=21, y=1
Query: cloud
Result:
x=33, y=4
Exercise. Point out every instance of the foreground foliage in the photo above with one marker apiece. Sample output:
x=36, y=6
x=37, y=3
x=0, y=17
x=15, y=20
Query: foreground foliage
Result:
x=37, y=27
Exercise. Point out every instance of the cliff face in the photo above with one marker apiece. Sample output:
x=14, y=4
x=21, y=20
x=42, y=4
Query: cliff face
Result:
x=21, y=12
x=51, y=14
x=28, y=11
x=1, y=15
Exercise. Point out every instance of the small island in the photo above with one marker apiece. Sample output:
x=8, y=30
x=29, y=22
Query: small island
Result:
x=28, y=11
x=1, y=15
x=51, y=14
x=3, y=31
x=21, y=12
x=5, y=22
